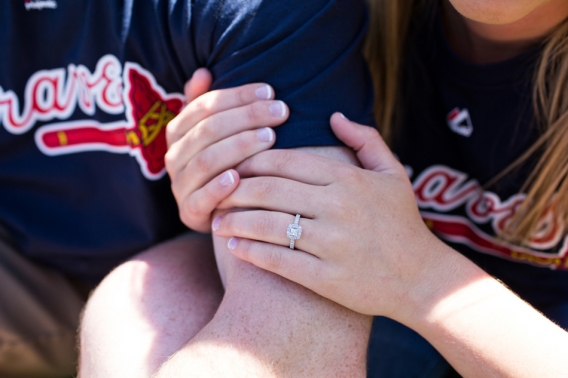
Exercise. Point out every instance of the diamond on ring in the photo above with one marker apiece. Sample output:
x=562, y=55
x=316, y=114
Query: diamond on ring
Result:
x=294, y=231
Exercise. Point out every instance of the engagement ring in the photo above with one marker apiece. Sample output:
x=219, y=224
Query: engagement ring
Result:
x=294, y=231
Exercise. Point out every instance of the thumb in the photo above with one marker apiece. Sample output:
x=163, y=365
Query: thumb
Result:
x=371, y=149
x=199, y=84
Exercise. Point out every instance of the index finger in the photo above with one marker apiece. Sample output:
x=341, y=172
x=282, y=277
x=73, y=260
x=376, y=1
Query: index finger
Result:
x=295, y=265
x=299, y=166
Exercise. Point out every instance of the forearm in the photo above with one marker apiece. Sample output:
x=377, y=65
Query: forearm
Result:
x=482, y=328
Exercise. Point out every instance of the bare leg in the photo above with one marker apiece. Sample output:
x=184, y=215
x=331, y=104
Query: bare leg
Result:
x=148, y=308
x=269, y=327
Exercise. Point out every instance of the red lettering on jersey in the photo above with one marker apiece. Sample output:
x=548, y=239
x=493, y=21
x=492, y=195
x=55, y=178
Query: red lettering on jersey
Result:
x=444, y=189
x=461, y=230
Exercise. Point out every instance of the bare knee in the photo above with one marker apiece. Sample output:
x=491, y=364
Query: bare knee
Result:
x=149, y=307
x=150, y=281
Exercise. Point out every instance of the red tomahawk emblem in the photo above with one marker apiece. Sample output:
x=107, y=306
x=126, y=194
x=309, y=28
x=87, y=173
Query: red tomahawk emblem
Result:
x=148, y=111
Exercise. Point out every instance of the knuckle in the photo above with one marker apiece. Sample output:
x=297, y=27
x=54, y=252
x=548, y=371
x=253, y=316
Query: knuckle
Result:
x=272, y=259
x=264, y=225
x=195, y=216
x=244, y=142
x=201, y=105
x=255, y=161
x=185, y=217
x=254, y=113
x=371, y=132
x=242, y=95
x=209, y=196
x=205, y=130
x=191, y=209
x=253, y=165
x=284, y=160
x=348, y=173
x=264, y=188
x=201, y=162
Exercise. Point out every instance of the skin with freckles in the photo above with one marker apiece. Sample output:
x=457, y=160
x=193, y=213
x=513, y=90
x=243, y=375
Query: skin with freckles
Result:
x=215, y=132
x=268, y=326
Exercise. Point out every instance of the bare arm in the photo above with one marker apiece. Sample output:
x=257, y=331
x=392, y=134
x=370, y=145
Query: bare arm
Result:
x=395, y=266
x=481, y=327
x=268, y=326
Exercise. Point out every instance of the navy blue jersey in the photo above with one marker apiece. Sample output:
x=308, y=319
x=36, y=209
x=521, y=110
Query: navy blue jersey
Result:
x=461, y=125
x=88, y=86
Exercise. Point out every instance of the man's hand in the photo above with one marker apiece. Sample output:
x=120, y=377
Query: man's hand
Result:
x=216, y=131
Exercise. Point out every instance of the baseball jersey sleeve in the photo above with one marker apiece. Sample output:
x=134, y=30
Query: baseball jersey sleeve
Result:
x=309, y=51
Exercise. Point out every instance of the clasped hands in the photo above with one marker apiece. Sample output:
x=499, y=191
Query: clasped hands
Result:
x=364, y=244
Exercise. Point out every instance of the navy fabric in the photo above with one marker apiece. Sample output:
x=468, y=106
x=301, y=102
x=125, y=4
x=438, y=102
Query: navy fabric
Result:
x=82, y=184
x=396, y=351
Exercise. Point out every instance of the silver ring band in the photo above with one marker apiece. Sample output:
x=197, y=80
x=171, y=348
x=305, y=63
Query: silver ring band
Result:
x=294, y=231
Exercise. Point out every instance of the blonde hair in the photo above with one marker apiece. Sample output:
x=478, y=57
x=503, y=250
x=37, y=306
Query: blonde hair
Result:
x=547, y=185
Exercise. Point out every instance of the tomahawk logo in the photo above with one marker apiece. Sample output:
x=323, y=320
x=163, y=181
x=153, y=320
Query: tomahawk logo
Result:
x=40, y=4
x=459, y=122
x=57, y=93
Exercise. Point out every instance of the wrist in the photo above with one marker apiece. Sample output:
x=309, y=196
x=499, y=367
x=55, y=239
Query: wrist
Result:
x=442, y=277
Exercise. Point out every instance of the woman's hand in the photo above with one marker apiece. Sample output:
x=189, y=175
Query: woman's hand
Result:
x=364, y=246
x=215, y=132
x=363, y=241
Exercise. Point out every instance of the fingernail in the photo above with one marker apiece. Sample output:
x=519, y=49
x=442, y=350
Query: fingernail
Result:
x=227, y=179
x=342, y=115
x=265, y=134
x=232, y=244
x=264, y=92
x=277, y=109
x=216, y=223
